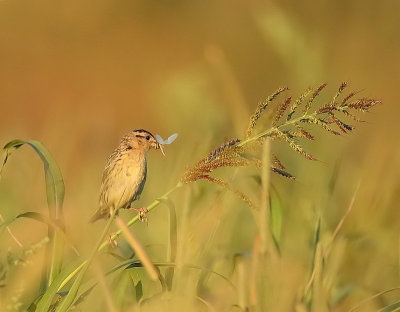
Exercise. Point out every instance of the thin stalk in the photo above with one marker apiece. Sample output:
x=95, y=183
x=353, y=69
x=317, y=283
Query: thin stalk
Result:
x=242, y=282
x=172, y=243
x=265, y=215
x=138, y=248
x=105, y=290
x=154, y=204
x=70, y=298
x=71, y=275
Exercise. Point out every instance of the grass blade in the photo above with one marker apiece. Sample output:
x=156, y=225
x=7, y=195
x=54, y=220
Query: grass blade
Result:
x=172, y=243
x=72, y=294
x=265, y=216
x=47, y=298
x=55, y=196
x=391, y=307
x=276, y=216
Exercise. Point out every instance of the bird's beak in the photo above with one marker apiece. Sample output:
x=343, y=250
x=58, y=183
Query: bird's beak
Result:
x=161, y=147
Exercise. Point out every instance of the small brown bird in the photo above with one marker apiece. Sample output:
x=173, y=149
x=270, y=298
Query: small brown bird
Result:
x=125, y=173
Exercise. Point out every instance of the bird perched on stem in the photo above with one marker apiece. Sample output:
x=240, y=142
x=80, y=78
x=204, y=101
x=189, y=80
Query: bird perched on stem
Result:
x=125, y=174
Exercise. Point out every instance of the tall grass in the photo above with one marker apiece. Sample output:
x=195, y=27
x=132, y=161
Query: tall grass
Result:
x=260, y=279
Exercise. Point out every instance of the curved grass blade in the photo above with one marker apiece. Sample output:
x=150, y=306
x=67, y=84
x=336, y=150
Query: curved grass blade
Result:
x=44, y=219
x=137, y=263
x=373, y=297
x=51, y=224
x=54, y=181
x=391, y=307
x=307, y=290
x=41, y=218
x=47, y=298
x=172, y=242
x=55, y=197
x=84, y=265
x=276, y=216
x=89, y=285
x=70, y=299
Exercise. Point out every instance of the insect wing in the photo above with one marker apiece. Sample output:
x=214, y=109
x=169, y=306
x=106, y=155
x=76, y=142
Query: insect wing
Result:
x=171, y=139
x=159, y=139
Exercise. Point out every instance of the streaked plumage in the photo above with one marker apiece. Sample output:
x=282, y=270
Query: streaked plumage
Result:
x=125, y=173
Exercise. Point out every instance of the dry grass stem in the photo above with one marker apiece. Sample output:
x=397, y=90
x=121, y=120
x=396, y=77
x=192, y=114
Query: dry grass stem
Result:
x=105, y=289
x=138, y=248
x=265, y=217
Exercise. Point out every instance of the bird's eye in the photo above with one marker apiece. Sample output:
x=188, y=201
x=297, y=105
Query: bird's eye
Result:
x=147, y=137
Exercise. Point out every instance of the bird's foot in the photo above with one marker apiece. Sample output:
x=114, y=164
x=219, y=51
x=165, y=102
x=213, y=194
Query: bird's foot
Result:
x=112, y=241
x=142, y=213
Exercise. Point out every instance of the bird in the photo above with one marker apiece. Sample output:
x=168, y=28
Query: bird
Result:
x=125, y=174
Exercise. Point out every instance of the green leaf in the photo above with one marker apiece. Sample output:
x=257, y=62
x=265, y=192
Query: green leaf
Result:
x=32, y=215
x=306, y=298
x=53, y=224
x=54, y=180
x=391, y=307
x=88, y=285
x=139, y=291
x=120, y=287
x=47, y=298
x=55, y=197
x=41, y=218
x=316, y=238
x=71, y=297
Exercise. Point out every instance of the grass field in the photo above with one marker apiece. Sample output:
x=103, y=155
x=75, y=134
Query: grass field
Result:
x=318, y=232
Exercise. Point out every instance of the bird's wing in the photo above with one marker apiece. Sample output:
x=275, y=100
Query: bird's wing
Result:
x=142, y=183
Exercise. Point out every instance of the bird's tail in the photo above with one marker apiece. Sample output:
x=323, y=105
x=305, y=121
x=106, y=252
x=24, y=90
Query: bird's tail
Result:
x=98, y=215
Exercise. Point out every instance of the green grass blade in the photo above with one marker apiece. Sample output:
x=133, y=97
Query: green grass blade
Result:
x=276, y=216
x=53, y=224
x=137, y=263
x=120, y=285
x=392, y=307
x=318, y=300
x=90, y=284
x=47, y=298
x=72, y=293
x=55, y=196
x=87, y=286
x=172, y=243
x=374, y=297
x=54, y=181
x=306, y=294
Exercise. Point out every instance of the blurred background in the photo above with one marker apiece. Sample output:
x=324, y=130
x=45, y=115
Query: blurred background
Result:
x=77, y=75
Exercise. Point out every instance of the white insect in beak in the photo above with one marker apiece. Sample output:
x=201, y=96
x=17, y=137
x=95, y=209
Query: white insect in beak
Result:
x=161, y=142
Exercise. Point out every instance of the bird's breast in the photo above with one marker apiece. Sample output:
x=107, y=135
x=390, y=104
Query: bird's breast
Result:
x=123, y=181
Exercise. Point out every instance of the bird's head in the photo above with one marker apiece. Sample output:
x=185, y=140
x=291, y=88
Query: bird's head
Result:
x=140, y=139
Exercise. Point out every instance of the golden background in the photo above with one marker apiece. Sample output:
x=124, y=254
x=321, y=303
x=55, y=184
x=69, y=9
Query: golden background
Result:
x=77, y=75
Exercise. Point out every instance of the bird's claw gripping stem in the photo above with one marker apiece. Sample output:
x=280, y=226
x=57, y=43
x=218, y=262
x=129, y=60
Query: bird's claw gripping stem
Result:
x=142, y=213
x=112, y=241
